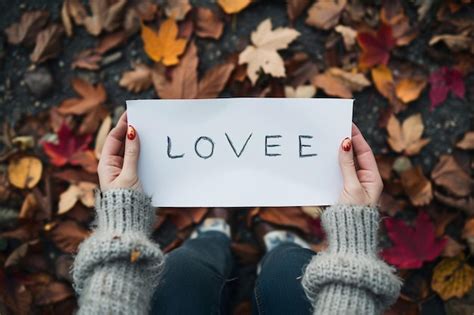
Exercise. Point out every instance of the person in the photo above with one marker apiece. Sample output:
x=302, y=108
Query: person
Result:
x=120, y=270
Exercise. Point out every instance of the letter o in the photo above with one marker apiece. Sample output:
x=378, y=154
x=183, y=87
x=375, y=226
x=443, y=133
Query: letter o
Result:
x=203, y=138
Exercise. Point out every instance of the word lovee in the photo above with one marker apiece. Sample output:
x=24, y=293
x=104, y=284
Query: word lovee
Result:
x=204, y=146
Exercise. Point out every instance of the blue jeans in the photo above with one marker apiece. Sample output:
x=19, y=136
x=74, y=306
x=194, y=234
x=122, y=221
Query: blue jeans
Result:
x=197, y=274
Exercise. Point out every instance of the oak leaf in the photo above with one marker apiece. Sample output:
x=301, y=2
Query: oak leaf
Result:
x=177, y=9
x=324, y=14
x=375, y=47
x=449, y=175
x=302, y=91
x=163, y=46
x=452, y=277
x=208, y=24
x=48, y=43
x=233, y=6
x=91, y=97
x=406, y=137
x=442, y=82
x=25, y=172
x=263, y=53
x=138, y=79
x=26, y=30
x=412, y=245
x=418, y=188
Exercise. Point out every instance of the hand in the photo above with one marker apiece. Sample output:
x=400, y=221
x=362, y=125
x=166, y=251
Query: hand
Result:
x=118, y=162
x=362, y=182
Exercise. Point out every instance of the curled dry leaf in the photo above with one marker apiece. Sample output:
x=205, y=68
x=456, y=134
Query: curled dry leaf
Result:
x=48, y=43
x=83, y=192
x=348, y=34
x=25, y=172
x=163, y=46
x=467, y=142
x=25, y=31
x=91, y=97
x=138, y=79
x=106, y=15
x=177, y=9
x=102, y=136
x=294, y=8
x=302, y=91
x=449, y=175
x=354, y=81
x=325, y=14
x=263, y=53
x=72, y=10
x=417, y=186
x=233, y=6
x=406, y=137
x=456, y=42
x=452, y=277
x=208, y=24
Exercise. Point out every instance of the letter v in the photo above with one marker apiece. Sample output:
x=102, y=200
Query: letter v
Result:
x=233, y=148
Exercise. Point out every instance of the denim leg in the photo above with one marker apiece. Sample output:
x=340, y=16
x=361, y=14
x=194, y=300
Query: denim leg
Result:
x=195, y=277
x=278, y=287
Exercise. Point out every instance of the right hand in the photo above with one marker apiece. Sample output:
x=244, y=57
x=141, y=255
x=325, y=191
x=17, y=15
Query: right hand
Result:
x=119, y=158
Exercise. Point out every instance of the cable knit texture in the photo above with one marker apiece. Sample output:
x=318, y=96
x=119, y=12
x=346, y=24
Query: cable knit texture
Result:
x=106, y=277
x=348, y=277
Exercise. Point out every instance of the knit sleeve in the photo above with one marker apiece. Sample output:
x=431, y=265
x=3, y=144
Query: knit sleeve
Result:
x=348, y=277
x=118, y=266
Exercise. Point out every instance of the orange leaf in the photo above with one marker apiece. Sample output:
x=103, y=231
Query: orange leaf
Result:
x=409, y=89
x=417, y=186
x=163, y=46
x=91, y=97
x=233, y=6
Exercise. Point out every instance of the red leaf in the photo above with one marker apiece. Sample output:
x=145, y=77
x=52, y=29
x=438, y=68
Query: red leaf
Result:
x=444, y=80
x=68, y=145
x=412, y=245
x=375, y=47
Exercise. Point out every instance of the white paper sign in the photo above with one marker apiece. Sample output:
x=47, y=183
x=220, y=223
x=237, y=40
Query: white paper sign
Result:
x=241, y=152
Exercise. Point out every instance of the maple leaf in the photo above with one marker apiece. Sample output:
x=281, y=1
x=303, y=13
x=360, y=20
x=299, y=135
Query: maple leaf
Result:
x=163, y=46
x=263, y=53
x=325, y=14
x=406, y=137
x=91, y=97
x=375, y=47
x=68, y=145
x=412, y=245
x=442, y=82
x=137, y=80
x=233, y=6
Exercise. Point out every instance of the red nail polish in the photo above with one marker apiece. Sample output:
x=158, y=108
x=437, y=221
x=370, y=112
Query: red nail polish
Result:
x=347, y=144
x=131, y=133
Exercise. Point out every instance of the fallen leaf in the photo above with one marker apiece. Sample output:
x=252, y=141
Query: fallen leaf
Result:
x=25, y=172
x=28, y=207
x=25, y=31
x=409, y=89
x=449, y=175
x=184, y=218
x=214, y=80
x=163, y=46
x=302, y=91
x=287, y=216
x=417, y=186
x=465, y=204
x=233, y=6
x=331, y=85
x=104, y=129
x=324, y=14
x=177, y=9
x=375, y=47
x=91, y=97
x=386, y=85
x=393, y=14
x=452, y=277
x=452, y=248
x=467, y=142
x=246, y=253
x=406, y=137
x=412, y=245
x=138, y=79
x=442, y=82
x=52, y=292
x=67, y=235
x=456, y=42
x=106, y=15
x=354, y=81
x=48, y=43
x=263, y=53
x=348, y=34
x=83, y=192
x=208, y=24
x=72, y=10
x=86, y=159
x=468, y=233
x=294, y=8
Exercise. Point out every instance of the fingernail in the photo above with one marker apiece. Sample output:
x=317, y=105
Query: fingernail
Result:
x=131, y=133
x=346, y=144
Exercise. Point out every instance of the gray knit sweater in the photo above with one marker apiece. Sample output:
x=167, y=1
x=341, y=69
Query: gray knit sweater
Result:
x=117, y=269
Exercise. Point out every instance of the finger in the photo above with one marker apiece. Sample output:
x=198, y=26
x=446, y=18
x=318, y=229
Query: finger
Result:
x=132, y=151
x=363, y=153
x=115, y=140
x=346, y=162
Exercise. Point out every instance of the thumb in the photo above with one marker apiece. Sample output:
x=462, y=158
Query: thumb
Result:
x=132, y=151
x=347, y=165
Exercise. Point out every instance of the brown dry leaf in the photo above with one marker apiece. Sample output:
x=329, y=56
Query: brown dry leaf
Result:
x=325, y=14
x=177, y=9
x=48, y=43
x=106, y=15
x=263, y=55
x=332, y=85
x=355, y=81
x=465, y=204
x=214, y=80
x=288, y=216
x=393, y=14
x=385, y=84
x=86, y=159
x=25, y=31
x=138, y=79
x=417, y=186
x=246, y=253
x=467, y=142
x=87, y=59
x=233, y=6
x=452, y=277
x=468, y=233
x=25, y=172
x=409, y=89
x=302, y=91
x=134, y=255
x=449, y=175
x=67, y=236
x=91, y=97
x=348, y=34
x=52, y=292
x=16, y=255
x=163, y=46
x=452, y=248
x=29, y=206
x=294, y=8
x=72, y=10
x=406, y=137
x=83, y=191
x=102, y=135
x=184, y=218
x=92, y=120
x=208, y=24
x=457, y=42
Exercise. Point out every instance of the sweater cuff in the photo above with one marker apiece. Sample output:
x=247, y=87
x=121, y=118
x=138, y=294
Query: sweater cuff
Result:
x=351, y=229
x=124, y=210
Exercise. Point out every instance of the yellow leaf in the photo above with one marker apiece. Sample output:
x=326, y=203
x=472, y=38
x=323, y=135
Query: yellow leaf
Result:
x=134, y=255
x=233, y=6
x=408, y=89
x=452, y=277
x=383, y=80
x=406, y=137
x=25, y=172
x=163, y=46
